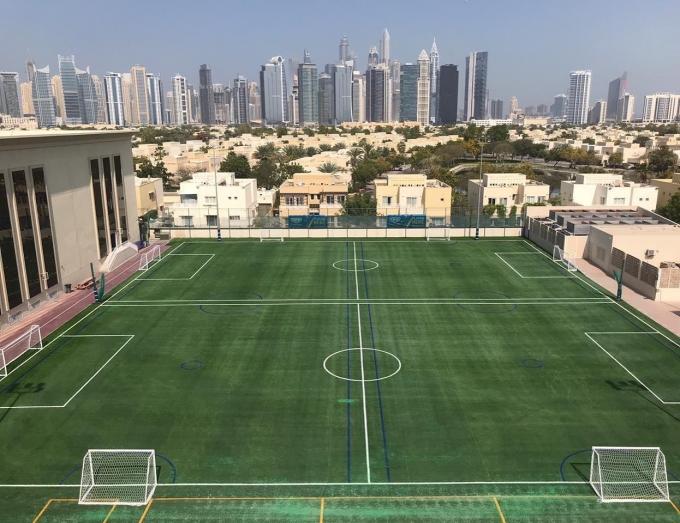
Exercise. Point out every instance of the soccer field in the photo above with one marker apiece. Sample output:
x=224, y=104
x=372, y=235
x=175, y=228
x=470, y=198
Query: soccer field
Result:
x=343, y=380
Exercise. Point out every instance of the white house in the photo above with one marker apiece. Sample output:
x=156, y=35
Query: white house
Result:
x=200, y=196
x=607, y=189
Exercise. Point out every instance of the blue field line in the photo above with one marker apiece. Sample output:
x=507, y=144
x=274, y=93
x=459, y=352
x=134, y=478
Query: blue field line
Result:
x=349, y=376
x=377, y=372
x=566, y=458
x=173, y=467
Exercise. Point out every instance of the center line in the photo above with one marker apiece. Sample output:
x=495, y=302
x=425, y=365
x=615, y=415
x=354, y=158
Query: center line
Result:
x=361, y=359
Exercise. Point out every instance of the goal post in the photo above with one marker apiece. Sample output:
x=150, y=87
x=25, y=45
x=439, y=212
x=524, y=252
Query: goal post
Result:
x=438, y=233
x=149, y=257
x=563, y=258
x=274, y=235
x=118, y=477
x=31, y=339
x=629, y=474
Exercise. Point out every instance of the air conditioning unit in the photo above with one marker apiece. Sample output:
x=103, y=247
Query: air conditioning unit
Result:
x=649, y=253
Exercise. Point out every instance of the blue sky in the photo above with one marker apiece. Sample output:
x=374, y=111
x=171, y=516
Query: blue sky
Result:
x=532, y=44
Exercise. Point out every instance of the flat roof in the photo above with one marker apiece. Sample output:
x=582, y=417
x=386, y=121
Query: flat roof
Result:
x=664, y=229
x=59, y=133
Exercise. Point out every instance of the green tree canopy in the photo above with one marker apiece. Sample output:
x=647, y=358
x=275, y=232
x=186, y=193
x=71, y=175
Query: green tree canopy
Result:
x=236, y=163
x=672, y=209
x=361, y=204
x=662, y=160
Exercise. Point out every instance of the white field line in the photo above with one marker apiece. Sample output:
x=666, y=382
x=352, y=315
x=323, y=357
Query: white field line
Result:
x=580, y=278
x=210, y=258
x=361, y=359
x=397, y=301
x=499, y=254
x=236, y=241
x=597, y=301
x=129, y=338
x=649, y=389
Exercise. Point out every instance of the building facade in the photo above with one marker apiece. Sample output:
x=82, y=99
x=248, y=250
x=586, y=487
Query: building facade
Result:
x=181, y=101
x=476, y=91
x=423, y=89
x=313, y=193
x=9, y=95
x=447, y=113
x=399, y=193
x=43, y=101
x=69, y=86
x=506, y=189
x=308, y=90
x=617, y=87
x=139, y=96
x=579, y=97
x=113, y=89
x=408, y=98
x=205, y=95
x=607, y=189
x=274, y=92
x=661, y=108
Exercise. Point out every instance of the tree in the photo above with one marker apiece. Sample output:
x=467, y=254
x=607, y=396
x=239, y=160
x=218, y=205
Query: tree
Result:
x=501, y=211
x=498, y=133
x=662, y=160
x=267, y=151
x=489, y=210
x=367, y=170
x=361, y=204
x=615, y=159
x=501, y=149
x=236, y=163
x=672, y=209
x=267, y=174
x=328, y=167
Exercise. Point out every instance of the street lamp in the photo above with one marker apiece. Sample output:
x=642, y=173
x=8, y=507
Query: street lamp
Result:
x=481, y=161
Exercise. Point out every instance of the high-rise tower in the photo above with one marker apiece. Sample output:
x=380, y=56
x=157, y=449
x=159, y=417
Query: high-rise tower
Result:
x=476, y=69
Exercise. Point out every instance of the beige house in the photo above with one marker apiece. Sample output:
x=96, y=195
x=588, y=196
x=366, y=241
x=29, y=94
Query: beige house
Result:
x=401, y=193
x=607, y=189
x=314, y=193
x=149, y=193
x=508, y=189
x=667, y=188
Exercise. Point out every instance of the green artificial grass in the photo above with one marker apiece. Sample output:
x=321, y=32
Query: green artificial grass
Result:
x=413, y=366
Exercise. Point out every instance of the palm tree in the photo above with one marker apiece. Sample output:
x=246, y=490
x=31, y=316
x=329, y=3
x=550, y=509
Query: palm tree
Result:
x=355, y=154
x=329, y=167
x=267, y=151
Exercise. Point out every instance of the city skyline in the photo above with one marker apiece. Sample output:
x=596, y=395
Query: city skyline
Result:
x=512, y=58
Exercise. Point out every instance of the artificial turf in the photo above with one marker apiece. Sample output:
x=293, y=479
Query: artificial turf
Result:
x=345, y=363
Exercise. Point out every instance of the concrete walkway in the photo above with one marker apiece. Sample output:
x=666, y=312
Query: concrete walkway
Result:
x=665, y=314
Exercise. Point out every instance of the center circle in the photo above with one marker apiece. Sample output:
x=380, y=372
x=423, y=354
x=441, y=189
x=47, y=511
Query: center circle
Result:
x=361, y=265
x=396, y=363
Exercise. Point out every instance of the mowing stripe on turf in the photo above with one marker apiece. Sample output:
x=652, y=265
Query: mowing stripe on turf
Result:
x=349, y=373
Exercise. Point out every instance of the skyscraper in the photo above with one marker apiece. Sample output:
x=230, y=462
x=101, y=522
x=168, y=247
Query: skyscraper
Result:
x=26, y=89
x=496, y=109
x=326, y=106
x=308, y=90
x=373, y=58
x=240, y=114
x=43, y=103
x=194, y=104
x=447, y=101
x=221, y=99
x=58, y=96
x=69, y=85
x=434, y=80
x=9, y=94
x=205, y=95
x=661, y=108
x=385, y=47
x=598, y=113
x=617, y=87
x=626, y=108
x=274, y=92
x=395, y=77
x=408, y=111
x=254, y=102
x=476, y=69
x=139, y=96
x=100, y=92
x=126, y=90
x=342, y=91
x=343, y=49
x=181, y=101
x=154, y=88
x=558, y=109
x=579, y=97
x=378, y=93
x=358, y=97
x=87, y=94
x=423, y=104
x=113, y=88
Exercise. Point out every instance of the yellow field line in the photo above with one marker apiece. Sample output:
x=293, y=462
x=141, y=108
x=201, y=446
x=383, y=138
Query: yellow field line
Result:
x=113, y=507
x=675, y=506
x=498, y=508
x=44, y=509
x=146, y=511
x=321, y=507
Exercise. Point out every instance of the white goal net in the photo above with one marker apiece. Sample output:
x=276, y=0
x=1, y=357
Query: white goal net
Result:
x=120, y=254
x=149, y=257
x=438, y=233
x=559, y=256
x=275, y=235
x=629, y=474
x=29, y=340
x=118, y=477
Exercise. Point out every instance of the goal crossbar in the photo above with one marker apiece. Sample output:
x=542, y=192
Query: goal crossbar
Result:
x=629, y=474
x=118, y=477
x=266, y=235
x=438, y=234
x=29, y=340
x=563, y=258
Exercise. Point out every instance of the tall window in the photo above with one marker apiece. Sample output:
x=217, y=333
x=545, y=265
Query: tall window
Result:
x=9, y=258
x=45, y=225
x=120, y=192
x=110, y=203
x=98, y=208
x=26, y=231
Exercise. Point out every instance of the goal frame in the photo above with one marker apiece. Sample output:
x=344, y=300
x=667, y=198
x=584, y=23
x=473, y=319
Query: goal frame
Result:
x=8, y=354
x=266, y=235
x=429, y=236
x=560, y=256
x=658, y=479
x=148, y=258
x=88, y=478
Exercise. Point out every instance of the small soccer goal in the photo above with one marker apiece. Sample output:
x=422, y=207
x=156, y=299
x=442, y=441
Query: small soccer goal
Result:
x=273, y=235
x=629, y=474
x=149, y=257
x=31, y=339
x=117, y=477
x=437, y=234
x=559, y=256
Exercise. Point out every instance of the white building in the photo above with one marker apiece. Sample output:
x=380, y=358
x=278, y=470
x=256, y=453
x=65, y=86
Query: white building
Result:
x=423, y=89
x=598, y=113
x=607, y=189
x=579, y=97
x=181, y=109
x=508, y=189
x=661, y=107
x=626, y=108
x=199, y=198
